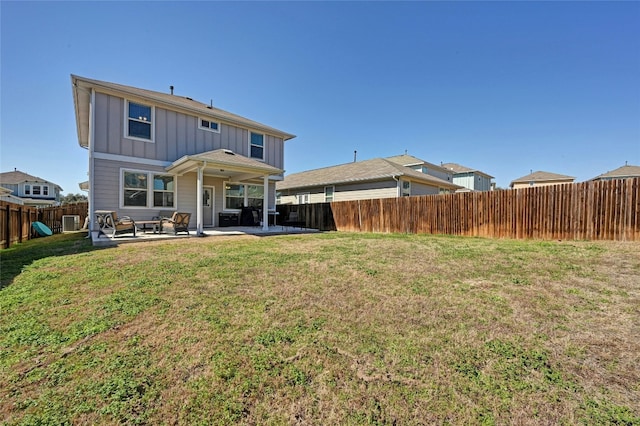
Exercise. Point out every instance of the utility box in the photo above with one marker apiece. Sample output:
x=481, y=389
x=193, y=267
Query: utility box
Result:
x=70, y=223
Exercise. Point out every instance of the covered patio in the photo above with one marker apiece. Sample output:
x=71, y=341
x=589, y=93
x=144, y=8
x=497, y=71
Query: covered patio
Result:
x=228, y=166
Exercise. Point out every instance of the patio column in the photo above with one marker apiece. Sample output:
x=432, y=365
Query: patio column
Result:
x=265, y=204
x=199, y=206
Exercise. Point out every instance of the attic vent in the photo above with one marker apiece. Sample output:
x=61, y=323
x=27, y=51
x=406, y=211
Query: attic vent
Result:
x=188, y=98
x=228, y=151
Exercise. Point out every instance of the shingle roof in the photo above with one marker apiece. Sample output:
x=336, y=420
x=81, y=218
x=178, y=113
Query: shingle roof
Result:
x=17, y=176
x=457, y=168
x=360, y=171
x=410, y=160
x=541, y=176
x=627, y=170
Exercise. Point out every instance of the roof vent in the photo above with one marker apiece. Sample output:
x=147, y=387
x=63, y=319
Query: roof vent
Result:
x=228, y=151
x=171, y=88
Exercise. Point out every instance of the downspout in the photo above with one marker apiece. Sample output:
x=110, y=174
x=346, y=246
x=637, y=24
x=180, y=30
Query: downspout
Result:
x=398, y=193
x=91, y=141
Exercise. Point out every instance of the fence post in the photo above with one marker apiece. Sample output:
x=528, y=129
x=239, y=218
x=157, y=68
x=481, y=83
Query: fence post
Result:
x=8, y=226
x=21, y=223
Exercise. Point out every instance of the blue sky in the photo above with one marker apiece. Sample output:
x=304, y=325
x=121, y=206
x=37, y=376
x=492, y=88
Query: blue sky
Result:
x=504, y=87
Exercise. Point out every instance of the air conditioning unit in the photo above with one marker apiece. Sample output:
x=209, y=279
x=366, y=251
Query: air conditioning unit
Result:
x=70, y=223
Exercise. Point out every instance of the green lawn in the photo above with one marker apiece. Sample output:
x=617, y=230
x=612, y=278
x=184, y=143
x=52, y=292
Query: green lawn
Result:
x=331, y=328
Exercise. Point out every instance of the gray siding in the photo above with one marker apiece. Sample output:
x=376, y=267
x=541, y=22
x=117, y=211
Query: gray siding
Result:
x=473, y=181
x=176, y=135
x=420, y=189
x=345, y=192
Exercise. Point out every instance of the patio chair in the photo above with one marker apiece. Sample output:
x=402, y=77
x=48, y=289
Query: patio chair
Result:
x=110, y=223
x=179, y=222
x=293, y=220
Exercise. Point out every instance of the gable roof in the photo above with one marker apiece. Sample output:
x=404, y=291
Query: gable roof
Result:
x=625, y=171
x=82, y=86
x=223, y=158
x=17, y=177
x=457, y=168
x=409, y=160
x=541, y=176
x=360, y=171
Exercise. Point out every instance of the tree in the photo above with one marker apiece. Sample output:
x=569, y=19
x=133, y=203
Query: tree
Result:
x=73, y=199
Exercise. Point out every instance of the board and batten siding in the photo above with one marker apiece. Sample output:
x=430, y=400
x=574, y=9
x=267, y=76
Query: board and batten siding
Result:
x=175, y=135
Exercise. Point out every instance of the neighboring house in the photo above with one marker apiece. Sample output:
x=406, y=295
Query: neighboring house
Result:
x=422, y=166
x=29, y=190
x=540, y=179
x=152, y=152
x=625, y=172
x=368, y=179
x=471, y=179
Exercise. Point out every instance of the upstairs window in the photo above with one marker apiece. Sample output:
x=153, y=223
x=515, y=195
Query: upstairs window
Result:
x=139, y=122
x=36, y=190
x=27, y=190
x=212, y=126
x=256, y=145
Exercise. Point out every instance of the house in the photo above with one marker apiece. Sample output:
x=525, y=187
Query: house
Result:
x=152, y=152
x=625, y=172
x=540, y=178
x=471, y=179
x=359, y=180
x=29, y=190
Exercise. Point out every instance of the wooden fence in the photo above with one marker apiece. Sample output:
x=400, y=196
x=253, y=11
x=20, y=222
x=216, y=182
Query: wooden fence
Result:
x=16, y=220
x=606, y=210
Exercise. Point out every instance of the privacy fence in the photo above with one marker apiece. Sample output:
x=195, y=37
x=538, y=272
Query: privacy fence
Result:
x=607, y=210
x=16, y=220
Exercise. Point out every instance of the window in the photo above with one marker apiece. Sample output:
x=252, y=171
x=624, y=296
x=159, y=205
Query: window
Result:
x=27, y=190
x=256, y=145
x=139, y=121
x=163, y=191
x=303, y=198
x=234, y=195
x=328, y=193
x=35, y=190
x=136, y=189
x=209, y=125
x=45, y=190
x=406, y=188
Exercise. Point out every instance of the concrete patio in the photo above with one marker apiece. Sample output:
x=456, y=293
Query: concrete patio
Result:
x=104, y=240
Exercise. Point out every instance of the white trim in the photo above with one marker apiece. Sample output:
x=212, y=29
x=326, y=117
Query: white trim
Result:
x=264, y=148
x=208, y=129
x=152, y=123
x=129, y=159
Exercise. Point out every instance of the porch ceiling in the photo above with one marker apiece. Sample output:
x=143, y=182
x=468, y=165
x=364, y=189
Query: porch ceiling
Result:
x=223, y=163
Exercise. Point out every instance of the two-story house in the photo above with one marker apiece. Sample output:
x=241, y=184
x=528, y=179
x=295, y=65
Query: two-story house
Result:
x=152, y=152
x=471, y=179
x=28, y=190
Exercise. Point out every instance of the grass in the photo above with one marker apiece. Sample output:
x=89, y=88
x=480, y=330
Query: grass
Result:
x=320, y=329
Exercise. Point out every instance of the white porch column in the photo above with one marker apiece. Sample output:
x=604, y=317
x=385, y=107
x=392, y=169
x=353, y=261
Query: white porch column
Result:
x=265, y=204
x=199, y=206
